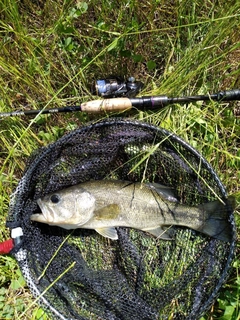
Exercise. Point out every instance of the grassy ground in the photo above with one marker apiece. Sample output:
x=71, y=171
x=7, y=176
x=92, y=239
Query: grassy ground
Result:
x=51, y=50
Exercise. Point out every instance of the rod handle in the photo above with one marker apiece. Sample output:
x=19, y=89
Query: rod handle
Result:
x=113, y=104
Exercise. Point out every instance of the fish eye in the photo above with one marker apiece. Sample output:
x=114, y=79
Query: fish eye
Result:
x=55, y=198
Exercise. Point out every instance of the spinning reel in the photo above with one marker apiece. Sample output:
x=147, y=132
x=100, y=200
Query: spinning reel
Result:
x=117, y=87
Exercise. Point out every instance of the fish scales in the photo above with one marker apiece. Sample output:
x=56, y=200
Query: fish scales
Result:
x=141, y=205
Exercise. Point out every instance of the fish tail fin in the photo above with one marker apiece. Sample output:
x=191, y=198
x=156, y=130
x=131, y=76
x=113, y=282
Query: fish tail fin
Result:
x=217, y=222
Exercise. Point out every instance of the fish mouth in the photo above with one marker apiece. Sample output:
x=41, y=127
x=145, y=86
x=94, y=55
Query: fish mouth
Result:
x=41, y=217
x=38, y=217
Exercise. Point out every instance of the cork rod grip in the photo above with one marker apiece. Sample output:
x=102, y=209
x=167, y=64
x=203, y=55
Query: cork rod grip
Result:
x=114, y=104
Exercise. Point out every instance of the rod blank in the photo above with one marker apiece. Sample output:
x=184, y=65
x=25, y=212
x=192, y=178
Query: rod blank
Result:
x=124, y=104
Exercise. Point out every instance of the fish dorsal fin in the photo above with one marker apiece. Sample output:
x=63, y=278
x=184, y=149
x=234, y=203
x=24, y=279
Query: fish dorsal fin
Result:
x=108, y=232
x=164, y=191
x=160, y=233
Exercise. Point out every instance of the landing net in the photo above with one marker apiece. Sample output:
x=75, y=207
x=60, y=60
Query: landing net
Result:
x=82, y=275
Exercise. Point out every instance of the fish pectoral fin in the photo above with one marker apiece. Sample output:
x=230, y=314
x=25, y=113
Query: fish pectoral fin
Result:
x=108, y=232
x=109, y=212
x=160, y=233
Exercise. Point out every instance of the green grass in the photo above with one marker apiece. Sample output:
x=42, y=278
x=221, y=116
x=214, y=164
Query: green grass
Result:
x=50, y=51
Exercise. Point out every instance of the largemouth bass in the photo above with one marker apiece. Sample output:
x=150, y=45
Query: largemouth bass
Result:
x=105, y=204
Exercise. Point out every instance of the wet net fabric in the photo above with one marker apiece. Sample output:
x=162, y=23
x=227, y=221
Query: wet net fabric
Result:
x=82, y=275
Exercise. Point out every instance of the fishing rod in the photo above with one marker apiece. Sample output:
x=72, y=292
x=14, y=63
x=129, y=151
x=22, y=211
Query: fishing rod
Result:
x=121, y=96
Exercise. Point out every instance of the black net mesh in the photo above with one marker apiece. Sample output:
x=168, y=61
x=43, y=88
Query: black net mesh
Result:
x=82, y=275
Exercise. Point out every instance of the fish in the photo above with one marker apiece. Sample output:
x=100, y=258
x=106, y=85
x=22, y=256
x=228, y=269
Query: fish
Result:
x=103, y=205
